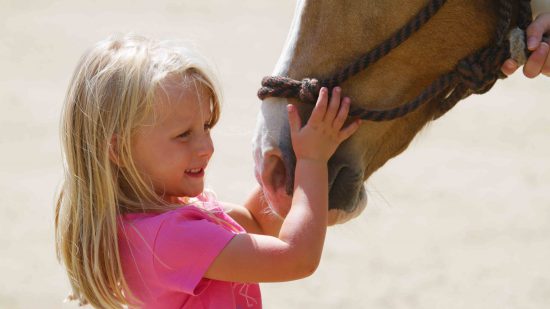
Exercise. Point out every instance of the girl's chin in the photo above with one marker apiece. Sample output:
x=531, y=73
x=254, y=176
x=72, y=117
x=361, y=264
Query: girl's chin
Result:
x=173, y=197
x=194, y=193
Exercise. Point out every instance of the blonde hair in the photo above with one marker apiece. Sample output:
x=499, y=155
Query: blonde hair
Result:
x=110, y=95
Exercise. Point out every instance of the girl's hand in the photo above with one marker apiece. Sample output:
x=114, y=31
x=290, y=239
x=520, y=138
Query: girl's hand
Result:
x=294, y=251
x=322, y=134
x=539, y=61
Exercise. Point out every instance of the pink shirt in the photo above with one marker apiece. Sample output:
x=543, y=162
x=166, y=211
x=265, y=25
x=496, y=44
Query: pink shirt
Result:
x=164, y=258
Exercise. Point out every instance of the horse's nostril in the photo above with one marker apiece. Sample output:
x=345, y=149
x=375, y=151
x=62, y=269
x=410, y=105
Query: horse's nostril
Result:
x=278, y=174
x=274, y=172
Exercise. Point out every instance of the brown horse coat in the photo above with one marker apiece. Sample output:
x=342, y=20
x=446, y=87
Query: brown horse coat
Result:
x=325, y=36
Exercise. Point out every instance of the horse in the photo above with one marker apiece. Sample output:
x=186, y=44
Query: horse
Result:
x=326, y=35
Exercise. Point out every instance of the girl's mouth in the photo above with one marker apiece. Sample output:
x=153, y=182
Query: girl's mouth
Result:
x=195, y=172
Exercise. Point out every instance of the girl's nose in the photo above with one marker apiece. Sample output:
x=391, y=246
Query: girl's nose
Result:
x=205, y=146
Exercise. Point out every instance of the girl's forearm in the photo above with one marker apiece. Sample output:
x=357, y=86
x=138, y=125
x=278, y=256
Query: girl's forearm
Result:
x=304, y=227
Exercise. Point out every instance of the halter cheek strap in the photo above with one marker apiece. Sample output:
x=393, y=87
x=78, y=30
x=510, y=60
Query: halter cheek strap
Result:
x=477, y=73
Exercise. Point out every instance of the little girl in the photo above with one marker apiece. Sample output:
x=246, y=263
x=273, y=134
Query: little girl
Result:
x=134, y=226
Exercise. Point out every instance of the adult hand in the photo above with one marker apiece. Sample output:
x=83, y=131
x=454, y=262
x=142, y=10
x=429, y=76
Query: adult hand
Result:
x=539, y=61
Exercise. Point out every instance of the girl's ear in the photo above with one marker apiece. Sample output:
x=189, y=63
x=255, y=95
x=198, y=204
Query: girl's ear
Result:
x=113, y=151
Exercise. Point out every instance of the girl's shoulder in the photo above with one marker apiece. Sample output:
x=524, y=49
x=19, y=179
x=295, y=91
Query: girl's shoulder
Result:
x=194, y=211
x=174, y=249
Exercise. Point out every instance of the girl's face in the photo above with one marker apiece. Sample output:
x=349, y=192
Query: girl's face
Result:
x=173, y=147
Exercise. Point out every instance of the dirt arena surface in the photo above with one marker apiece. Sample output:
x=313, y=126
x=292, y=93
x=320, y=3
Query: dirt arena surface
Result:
x=460, y=220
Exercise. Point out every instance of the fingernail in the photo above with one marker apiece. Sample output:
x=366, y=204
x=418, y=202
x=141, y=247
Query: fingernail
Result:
x=289, y=107
x=532, y=43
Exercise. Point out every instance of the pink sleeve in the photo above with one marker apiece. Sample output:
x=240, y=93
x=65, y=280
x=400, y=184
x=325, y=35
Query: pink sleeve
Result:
x=186, y=245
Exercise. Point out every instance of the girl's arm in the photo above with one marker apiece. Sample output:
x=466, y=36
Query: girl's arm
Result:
x=256, y=217
x=296, y=250
x=539, y=61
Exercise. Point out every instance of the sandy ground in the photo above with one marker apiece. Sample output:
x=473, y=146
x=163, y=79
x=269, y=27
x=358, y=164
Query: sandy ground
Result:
x=461, y=220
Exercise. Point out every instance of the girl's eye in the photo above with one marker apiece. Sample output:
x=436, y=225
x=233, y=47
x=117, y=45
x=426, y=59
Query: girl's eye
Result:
x=185, y=134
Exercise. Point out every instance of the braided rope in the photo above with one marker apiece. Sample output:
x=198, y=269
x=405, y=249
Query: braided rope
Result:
x=476, y=73
x=309, y=88
x=387, y=46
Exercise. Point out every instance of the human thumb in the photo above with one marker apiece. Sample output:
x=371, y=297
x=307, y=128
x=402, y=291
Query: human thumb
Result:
x=536, y=30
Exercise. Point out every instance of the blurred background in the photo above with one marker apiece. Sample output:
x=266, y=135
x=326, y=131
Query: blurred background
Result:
x=460, y=220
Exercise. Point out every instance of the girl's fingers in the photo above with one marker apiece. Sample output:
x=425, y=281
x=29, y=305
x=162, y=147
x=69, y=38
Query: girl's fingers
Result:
x=346, y=132
x=320, y=108
x=509, y=67
x=293, y=119
x=334, y=105
x=342, y=114
x=536, y=61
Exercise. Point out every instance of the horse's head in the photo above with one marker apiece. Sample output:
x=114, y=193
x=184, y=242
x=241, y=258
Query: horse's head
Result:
x=324, y=37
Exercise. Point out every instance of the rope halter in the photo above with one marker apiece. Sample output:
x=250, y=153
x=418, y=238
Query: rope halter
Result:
x=476, y=73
